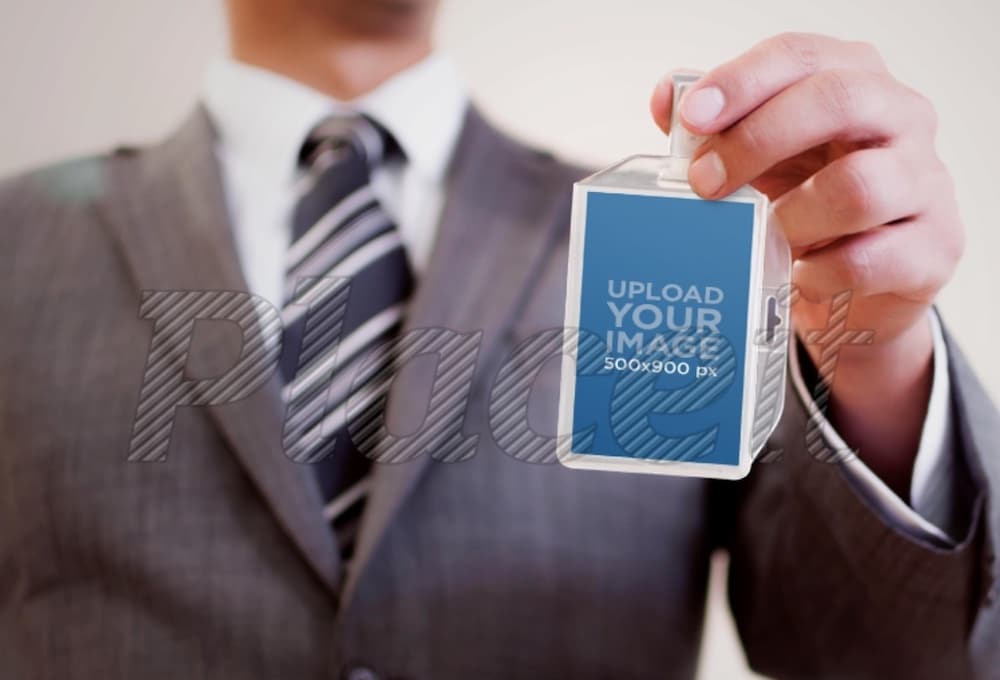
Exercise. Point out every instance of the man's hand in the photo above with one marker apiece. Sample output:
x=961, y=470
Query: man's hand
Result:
x=846, y=154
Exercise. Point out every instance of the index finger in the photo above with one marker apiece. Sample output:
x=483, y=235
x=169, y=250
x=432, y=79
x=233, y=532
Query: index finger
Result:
x=731, y=91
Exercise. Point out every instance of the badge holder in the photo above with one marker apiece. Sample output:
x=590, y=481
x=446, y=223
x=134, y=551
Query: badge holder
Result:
x=677, y=323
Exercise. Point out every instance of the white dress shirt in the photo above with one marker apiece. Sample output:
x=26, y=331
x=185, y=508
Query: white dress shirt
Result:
x=262, y=120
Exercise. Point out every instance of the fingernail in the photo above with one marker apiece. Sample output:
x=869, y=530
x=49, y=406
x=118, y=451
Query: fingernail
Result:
x=707, y=174
x=702, y=106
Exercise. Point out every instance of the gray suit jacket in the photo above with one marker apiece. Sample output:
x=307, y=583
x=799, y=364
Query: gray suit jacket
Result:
x=217, y=564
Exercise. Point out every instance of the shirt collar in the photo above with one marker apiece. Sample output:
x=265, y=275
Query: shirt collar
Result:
x=264, y=117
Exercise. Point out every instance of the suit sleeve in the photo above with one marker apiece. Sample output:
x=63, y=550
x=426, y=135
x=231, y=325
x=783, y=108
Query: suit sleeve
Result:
x=940, y=501
x=824, y=585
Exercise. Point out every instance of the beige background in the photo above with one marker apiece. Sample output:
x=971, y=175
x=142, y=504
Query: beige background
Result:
x=571, y=75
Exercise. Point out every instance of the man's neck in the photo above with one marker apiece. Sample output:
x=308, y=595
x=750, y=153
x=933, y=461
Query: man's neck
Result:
x=342, y=68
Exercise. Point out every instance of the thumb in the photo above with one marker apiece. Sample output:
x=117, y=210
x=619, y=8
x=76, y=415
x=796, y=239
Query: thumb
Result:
x=662, y=100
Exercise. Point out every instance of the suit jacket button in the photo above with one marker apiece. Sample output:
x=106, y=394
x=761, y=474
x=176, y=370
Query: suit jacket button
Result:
x=360, y=673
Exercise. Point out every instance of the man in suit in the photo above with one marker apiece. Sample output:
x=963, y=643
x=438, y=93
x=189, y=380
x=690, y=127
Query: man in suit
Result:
x=335, y=146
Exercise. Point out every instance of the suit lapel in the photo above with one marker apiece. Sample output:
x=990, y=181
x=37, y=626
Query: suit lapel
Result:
x=500, y=217
x=166, y=207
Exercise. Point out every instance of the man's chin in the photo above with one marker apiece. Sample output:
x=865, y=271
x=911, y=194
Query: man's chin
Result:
x=386, y=18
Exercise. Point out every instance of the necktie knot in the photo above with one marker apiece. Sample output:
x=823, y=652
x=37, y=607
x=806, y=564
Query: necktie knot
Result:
x=347, y=139
x=338, y=158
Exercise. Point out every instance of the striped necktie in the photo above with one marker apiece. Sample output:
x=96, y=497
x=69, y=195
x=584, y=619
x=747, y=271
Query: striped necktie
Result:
x=347, y=278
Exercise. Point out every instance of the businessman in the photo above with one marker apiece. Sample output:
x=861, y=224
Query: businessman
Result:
x=335, y=145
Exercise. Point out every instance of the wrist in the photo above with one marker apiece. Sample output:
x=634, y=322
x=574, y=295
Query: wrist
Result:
x=878, y=399
x=908, y=352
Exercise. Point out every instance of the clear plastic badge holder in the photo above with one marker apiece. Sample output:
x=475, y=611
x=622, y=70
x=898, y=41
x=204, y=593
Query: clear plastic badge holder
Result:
x=615, y=205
